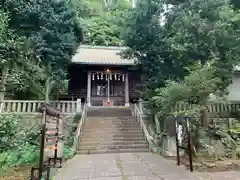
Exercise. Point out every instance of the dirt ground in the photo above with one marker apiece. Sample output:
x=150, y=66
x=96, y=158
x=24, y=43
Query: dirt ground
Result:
x=21, y=173
x=206, y=165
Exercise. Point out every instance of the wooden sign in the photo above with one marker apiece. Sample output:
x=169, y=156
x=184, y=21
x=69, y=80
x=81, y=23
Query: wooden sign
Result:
x=50, y=147
x=53, y=142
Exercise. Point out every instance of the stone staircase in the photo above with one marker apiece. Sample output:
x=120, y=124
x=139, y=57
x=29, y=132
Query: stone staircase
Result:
x=111, y=130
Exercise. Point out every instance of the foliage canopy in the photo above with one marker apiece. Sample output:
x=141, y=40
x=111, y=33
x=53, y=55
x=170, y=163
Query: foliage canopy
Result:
x=169, y=40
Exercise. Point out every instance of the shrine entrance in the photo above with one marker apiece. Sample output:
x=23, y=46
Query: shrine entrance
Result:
x=107, y=88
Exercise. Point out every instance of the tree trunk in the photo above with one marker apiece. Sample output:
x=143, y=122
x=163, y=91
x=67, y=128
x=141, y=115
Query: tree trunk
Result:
x=203, y=118
x=47, y=89
x=158, y=128
x=3, y=86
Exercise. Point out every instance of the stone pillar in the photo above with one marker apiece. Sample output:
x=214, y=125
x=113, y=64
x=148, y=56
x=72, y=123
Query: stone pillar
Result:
x=79, y=106
x=89, y=89
x=141, y=105
x=126, y=90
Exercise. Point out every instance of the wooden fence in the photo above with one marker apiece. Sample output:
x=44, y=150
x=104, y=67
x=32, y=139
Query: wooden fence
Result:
x=31, y=106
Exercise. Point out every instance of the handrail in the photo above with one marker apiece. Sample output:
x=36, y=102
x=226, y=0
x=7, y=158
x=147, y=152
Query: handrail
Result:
x=79, y=128
x=138, y=114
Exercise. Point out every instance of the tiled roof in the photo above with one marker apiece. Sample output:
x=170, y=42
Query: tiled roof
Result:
x=100, y=55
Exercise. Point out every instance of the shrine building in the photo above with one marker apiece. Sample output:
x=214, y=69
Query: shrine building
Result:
x=101, y=77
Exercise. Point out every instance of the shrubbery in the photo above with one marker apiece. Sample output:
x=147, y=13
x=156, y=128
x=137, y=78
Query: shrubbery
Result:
x=18, y=145
x=68, y=151
x=201, y=82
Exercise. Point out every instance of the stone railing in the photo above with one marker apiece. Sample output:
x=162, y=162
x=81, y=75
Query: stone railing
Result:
x=31, y=106
x=137, y=112
x=79, y=129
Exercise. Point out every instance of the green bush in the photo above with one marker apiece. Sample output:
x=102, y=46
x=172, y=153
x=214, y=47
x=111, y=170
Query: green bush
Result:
x=18, y=145
x=72, y=130
x=8, y=130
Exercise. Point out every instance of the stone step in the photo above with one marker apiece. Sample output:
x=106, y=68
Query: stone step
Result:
x=115, y=138
x=128, y=116
x=99, y=120
x=113, y=146
x=112, y=123
x=107, y=112
x=112, y=133
x=110, y=126
x=107, y=115
x=126, y=129
x=103, y=151
x=115, y=118
x=111, y=142
x=100, y=126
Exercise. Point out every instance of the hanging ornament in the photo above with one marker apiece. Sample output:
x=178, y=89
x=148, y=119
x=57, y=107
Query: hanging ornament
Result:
x=106, y=77
x=93, y=77
x=110, y=76
x=119, y=77
x=123, y=77
x=101, y=76
x=115, y=76
x=97, y=76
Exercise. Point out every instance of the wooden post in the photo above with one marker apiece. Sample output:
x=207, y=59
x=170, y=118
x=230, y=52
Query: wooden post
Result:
x=41, y=156
x=108, y=89
x=89, y=89
x=126, y=90
x=56, y=144
x=189, y=145
x=177, y=142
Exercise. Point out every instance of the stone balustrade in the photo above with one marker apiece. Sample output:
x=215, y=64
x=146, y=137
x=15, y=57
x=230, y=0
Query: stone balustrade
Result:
x=31, y=106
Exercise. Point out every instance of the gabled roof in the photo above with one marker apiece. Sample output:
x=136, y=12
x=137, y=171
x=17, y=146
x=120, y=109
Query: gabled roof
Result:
x=100, y=55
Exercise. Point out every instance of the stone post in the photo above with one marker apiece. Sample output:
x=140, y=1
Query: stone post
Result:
x=79, y=106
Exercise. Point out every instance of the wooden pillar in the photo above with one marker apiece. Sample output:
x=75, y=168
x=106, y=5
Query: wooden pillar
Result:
x=126, y=90
x=108, y=89
x=89, y=89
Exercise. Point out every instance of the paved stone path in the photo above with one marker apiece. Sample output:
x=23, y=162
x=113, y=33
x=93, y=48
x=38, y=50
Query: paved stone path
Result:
x=132, y=166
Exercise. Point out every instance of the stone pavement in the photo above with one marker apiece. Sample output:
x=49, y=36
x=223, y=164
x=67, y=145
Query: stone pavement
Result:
x=132, y=166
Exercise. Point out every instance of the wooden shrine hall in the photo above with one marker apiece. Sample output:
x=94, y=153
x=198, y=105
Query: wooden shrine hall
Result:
x=101, y=77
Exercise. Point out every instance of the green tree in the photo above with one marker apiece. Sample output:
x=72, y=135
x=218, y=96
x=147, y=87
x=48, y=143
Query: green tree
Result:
x=53, y=30
x=12, y=57
x=146, y=38
x=103, y=20
x=194, y=32
x=201, y=31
